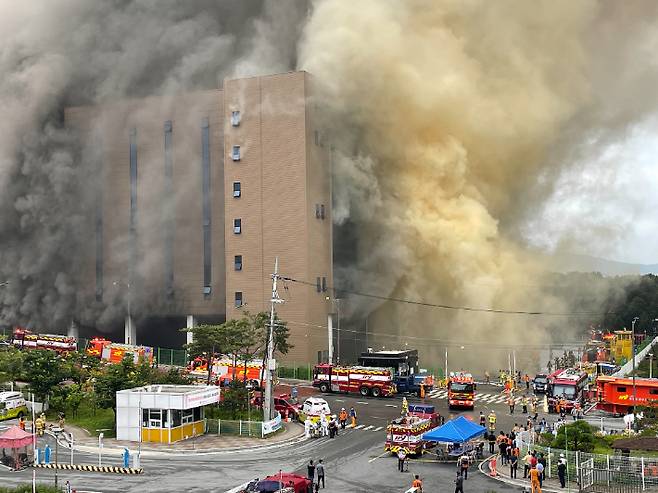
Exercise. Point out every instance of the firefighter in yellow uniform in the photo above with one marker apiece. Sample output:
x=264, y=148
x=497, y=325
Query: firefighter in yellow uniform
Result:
x=492, y=421
x=39, y=423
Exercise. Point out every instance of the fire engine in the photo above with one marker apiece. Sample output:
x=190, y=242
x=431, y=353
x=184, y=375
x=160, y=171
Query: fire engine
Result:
x=114, y=352
x=406, y=432
x=223, y=371
x=461, y=390
x=567, y=385
x=615, y=394
x=25, y=339
x=362, y=379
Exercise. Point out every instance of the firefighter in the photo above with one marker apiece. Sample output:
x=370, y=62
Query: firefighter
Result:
x=510, y=403
x=40, y=424
x=524, y=404
x=353, y=417
x=342, y=417
x=492, y=420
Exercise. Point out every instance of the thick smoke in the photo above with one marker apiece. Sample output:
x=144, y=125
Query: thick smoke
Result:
x=74, y=52
x=451, y=121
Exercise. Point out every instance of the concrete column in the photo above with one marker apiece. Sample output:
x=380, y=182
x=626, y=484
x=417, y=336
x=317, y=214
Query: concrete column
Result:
x=73, y=330
x=130, y=331
x=191, y=322
x=330, y=336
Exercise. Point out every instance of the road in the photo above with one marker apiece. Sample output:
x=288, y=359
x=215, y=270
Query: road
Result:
x=355, y=461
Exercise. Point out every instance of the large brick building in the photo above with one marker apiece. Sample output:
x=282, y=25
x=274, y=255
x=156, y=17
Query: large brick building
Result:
x=199, y=193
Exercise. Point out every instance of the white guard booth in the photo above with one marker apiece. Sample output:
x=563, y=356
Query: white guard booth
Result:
x=163, y=413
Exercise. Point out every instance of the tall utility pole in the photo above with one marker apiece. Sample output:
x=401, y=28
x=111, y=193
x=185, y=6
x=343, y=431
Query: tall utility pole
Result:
x=271, y=364
x=634, y=388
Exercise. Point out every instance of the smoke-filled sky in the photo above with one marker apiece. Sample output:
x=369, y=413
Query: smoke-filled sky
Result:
x=468, y=134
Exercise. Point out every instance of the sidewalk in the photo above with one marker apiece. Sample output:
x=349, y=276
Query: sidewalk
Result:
x=208, y=443
x=551, y=485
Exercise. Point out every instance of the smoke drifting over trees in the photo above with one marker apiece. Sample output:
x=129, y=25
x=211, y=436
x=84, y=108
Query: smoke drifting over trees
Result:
x=451, y=122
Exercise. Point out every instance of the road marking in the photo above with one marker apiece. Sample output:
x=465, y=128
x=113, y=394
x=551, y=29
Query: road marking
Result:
x=357, y=427
x=368, y=428
x=391, y=405
x=378, y=428
x=339, y=400
x=362, y=402
x=379, y=456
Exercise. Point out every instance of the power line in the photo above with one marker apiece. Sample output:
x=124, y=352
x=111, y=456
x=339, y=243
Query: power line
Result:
x=451, y=307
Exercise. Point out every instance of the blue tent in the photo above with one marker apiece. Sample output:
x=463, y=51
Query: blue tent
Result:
x=458, y=430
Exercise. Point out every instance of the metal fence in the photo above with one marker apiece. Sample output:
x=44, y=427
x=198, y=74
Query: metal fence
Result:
x=619, y=467
x=605, y=481
x=235, y=428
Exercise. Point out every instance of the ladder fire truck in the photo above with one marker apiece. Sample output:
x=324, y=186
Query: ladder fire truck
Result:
x=566, y=388
x=377, y=382
x=25, y=339
x=461, y=390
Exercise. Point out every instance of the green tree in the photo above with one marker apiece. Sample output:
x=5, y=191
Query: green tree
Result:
x=207, y=342
x=575, y=436
x=173, y=376
x=74, y=398
x=115, y=377
x=11, y=365
x=44, y=370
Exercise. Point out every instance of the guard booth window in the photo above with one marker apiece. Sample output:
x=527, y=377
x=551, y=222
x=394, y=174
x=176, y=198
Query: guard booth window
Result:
x=175, y=418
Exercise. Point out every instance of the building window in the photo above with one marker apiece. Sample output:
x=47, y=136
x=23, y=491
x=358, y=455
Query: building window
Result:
x=621, y=389
x=321, y=211
x=237, y=226
x=207, y=290
x=318, y=284
x=317, y=211
x=235, y=118
x=324, y=284
x=187, y=416
x=238, y=262
x=238, y=299
x=237, y=189
x=235, y=153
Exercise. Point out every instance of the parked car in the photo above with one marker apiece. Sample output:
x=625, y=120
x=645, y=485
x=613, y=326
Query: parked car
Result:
x=283, y=483
x=540, y=383
x=282, y=404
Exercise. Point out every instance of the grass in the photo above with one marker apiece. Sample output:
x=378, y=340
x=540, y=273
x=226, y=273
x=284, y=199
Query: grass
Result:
x=90, y=420
x=27, y=488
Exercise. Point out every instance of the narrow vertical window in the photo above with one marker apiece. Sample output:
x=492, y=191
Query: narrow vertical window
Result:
x=205, y=190
x=235, y=153
x=321, y=211
x=235, y=118
x=318, y=285
x=237, y=226
x=237, y=189
x=324, y=284
x=238, y=262
x=168, y=211
x=238, y=299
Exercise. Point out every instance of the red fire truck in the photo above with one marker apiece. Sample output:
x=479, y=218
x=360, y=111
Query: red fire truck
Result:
x=615, y=394
x=26, y=339
x=362, y=379
x=114, y=352
x=566, y=387
x=461, y=390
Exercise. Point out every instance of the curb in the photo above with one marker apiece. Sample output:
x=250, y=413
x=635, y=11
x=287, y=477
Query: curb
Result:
x=211, y=451
x=516, y=482
x=90, y=468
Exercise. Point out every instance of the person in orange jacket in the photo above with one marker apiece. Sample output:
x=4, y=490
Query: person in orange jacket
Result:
x=417, y=483
x=342, y=417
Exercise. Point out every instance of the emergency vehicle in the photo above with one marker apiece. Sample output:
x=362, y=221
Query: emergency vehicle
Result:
x=461, y=390
x=283, y=482
x=615, y=394
x=114, y=351
x=26, y=339
x=567, y=386
x=313, y=408
x=223, y=371
x=366, y=381
x=12, y=405
x=406, y=432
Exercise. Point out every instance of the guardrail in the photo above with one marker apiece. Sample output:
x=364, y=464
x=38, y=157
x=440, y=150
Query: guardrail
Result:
x=627, y=368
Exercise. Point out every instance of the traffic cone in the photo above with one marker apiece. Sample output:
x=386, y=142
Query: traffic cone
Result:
x=492, y=467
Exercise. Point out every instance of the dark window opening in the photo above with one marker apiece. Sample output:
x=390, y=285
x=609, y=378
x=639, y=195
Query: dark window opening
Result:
x=238, y=262
x=238, y=299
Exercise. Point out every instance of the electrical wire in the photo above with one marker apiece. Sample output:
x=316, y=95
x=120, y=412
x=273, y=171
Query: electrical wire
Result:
x=450, y=307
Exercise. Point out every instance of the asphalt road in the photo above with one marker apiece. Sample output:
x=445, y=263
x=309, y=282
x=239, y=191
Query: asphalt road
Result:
x=354, y=460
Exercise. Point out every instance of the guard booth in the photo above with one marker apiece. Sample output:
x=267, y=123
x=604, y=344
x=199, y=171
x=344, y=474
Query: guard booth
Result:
x=163, y=413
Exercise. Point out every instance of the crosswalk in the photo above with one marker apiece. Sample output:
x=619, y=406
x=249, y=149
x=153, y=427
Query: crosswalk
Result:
x=479, y=397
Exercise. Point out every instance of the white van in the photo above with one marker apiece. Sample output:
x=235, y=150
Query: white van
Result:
x=12, y=405
x=312, y=408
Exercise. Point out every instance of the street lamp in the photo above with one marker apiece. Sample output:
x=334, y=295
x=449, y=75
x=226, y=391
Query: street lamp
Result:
x=650, y=365
x=130, y=319
x=634, y=388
